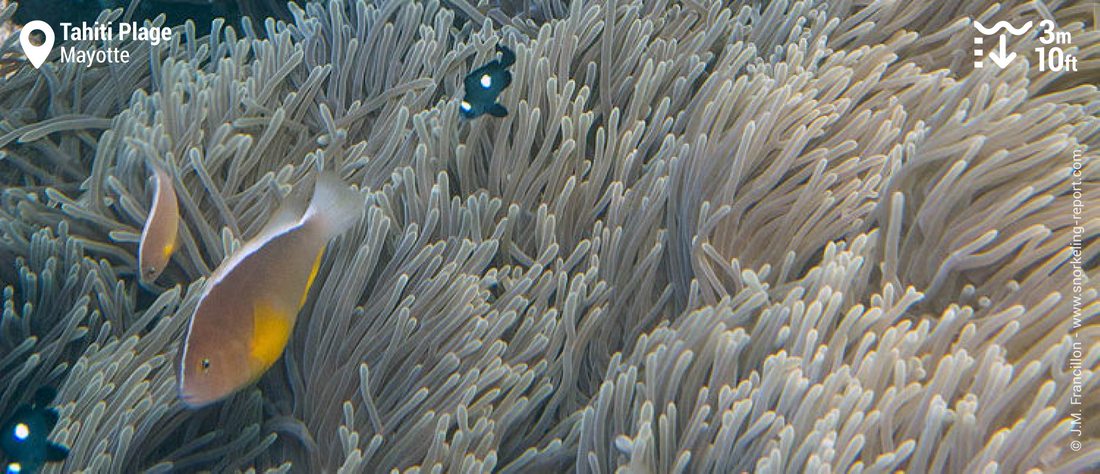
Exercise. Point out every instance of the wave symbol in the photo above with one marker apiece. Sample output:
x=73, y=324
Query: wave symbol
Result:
x=1003, y=25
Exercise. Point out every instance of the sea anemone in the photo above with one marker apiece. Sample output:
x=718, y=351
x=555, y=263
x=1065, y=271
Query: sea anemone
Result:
x=709, y=237
x=7, y=33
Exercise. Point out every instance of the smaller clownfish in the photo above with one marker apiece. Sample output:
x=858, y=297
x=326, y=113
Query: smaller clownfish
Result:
x=23, y=437
x=484, y=85
x=158, y=237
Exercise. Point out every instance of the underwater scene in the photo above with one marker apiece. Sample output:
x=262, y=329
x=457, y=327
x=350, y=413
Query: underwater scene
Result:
x=550, y=236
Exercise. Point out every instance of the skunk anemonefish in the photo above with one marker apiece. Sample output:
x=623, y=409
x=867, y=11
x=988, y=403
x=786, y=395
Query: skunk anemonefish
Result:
x=247, y=310
x=158, y=237
x=484, y=85
x=23, y=437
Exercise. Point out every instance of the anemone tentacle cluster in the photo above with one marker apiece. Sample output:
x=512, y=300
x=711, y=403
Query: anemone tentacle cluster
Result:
x=785, y=236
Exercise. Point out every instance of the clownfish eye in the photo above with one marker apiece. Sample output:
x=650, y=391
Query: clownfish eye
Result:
x=205, y=364
x=486, y=81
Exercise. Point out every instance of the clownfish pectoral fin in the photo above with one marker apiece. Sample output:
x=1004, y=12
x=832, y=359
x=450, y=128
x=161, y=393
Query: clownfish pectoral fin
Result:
x=497, y=110
x=56, y=452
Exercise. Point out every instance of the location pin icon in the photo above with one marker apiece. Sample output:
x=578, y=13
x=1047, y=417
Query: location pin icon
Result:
x=37, y=54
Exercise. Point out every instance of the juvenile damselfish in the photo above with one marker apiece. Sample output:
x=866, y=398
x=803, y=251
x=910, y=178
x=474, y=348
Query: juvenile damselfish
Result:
x=484, y=85
x=248, y=308
x=23, y=436
x=158, y=237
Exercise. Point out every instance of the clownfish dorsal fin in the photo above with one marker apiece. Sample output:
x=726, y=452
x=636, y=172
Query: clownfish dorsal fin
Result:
x=288, y=214
x=335, y=206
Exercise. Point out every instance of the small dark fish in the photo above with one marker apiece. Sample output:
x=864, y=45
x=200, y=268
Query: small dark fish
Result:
x=484, y=85
x=23, y=437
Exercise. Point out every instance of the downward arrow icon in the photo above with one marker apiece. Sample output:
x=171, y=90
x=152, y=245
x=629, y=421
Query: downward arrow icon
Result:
x=1001, y=57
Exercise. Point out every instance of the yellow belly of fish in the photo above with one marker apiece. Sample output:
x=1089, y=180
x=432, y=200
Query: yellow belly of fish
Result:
x=272, y=326
x=270, y=332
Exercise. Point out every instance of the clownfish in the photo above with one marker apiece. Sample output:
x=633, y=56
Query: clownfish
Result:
x=248, y=307
x=158, y=237
x=23, y=437
x=484, y=85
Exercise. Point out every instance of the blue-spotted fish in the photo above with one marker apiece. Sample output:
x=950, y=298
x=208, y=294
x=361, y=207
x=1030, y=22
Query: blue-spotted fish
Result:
x=158, y=237
x=248, y=307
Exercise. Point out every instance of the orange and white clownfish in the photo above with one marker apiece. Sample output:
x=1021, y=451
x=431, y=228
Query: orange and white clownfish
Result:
x=248, y=308
x=158, y=237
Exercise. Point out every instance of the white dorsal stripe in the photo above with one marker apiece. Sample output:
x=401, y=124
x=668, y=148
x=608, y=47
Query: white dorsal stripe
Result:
x=158, y=190
x=248, y=248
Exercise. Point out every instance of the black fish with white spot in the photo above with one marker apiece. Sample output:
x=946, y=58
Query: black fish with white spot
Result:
x=484, y=85
x=23, y=440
